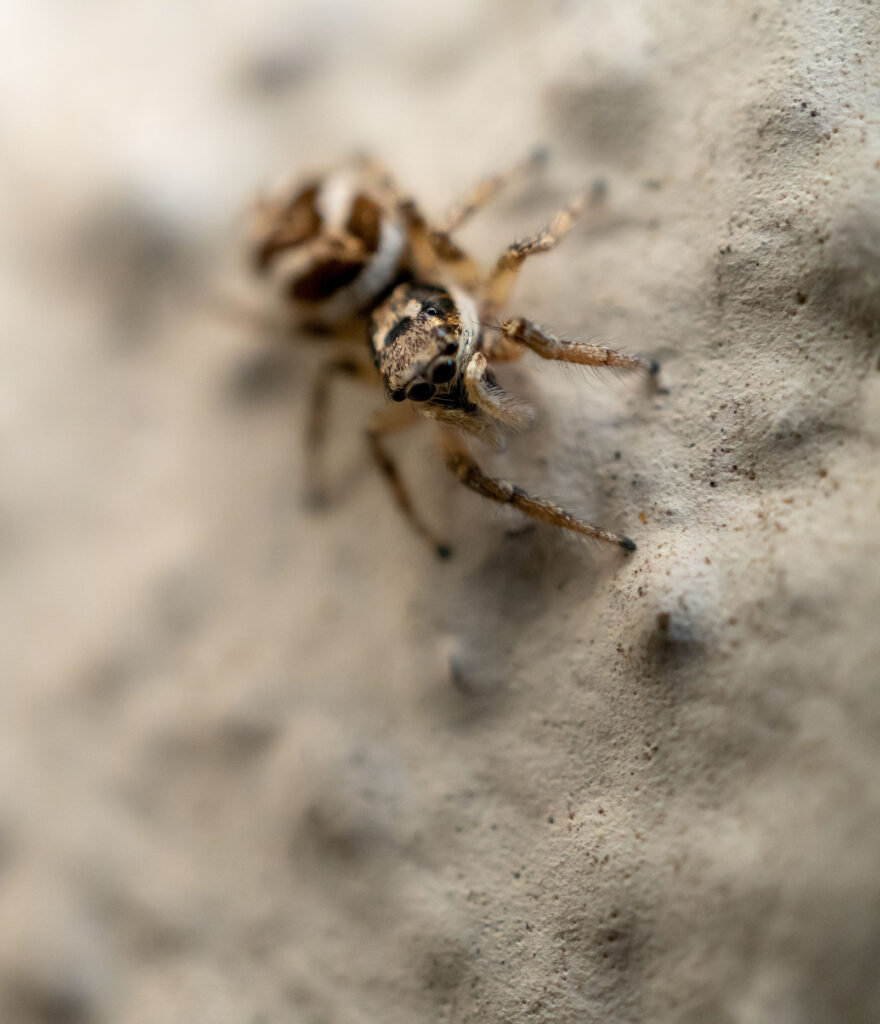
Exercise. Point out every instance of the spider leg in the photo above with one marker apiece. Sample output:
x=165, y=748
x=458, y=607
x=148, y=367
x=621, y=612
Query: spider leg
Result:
x=462, y=464
x=229, y=306
x=521, y=332
x=387, y=421
x=487, y=189
x=503, y=276
x=433, y=253
x=432, y=249
x=319, y=404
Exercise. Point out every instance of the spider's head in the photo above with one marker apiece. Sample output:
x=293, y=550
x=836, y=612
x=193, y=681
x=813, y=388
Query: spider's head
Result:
x=422, y=338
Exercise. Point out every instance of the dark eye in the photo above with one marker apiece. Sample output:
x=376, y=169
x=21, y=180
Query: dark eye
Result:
x=431, y=311
x=420, y=392
x=398, y=396
x=444, y=371
x=451, y=347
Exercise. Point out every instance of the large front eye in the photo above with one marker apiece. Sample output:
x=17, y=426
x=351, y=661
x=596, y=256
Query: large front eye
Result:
x=420, y=392
x=443, y=371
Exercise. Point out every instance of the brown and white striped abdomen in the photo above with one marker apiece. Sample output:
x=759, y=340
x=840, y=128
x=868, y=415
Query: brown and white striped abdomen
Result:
x=331, y=245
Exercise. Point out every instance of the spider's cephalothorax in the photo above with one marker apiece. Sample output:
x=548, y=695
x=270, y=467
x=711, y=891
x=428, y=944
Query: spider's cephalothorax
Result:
x=422, y=339
x=427, y=344
x=349, y=247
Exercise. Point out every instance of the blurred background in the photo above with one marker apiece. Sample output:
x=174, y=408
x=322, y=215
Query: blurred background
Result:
x=260, y=764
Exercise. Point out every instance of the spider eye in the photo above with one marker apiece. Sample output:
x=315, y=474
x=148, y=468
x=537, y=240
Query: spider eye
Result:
x=398, y=396
x=431, y=311
x=420, y=392
x=443, y=372
x=451, y=347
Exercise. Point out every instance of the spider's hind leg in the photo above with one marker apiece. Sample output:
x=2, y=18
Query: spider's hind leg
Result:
x=487, y=189
x=433, y=248
x=434, y=254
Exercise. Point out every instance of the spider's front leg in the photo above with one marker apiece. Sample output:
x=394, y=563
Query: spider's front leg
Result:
x=460, y=461
x=521, y=332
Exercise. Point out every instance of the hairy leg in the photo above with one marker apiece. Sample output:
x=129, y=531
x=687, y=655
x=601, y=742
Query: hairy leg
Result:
x=503, y=276
x=521, y=332
x=316, y=427
x=390, y=420
x=432, y=246
x=462, y=464
x=486, y=189
x=433, y=253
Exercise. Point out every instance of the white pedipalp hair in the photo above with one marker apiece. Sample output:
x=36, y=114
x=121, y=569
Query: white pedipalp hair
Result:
x=470, y=321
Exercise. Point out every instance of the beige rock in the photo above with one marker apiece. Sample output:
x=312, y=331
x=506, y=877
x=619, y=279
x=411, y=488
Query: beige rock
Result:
x=261, y=764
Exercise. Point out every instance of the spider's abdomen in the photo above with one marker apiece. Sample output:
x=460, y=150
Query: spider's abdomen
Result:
x=331, y=246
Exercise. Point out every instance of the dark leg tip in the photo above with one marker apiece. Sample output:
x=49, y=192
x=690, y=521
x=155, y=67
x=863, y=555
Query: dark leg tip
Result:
x=654, y=368
x=628, y=544
x=444, y=551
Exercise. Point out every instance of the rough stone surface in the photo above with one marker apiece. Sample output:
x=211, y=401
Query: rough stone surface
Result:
x=259, y=764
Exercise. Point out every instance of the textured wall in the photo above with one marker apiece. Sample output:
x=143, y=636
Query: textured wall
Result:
x=258, y=764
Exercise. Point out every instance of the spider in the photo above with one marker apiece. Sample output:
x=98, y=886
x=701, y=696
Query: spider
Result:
x=348, y=249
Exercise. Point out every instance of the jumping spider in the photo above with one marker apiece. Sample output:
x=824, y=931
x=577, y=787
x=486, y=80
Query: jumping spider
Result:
x=348, y=248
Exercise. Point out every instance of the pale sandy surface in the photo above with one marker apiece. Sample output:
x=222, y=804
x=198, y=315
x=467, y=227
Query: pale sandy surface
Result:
x=260, y=765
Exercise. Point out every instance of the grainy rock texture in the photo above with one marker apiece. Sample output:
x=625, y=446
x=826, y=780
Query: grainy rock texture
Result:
x=261, y=764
